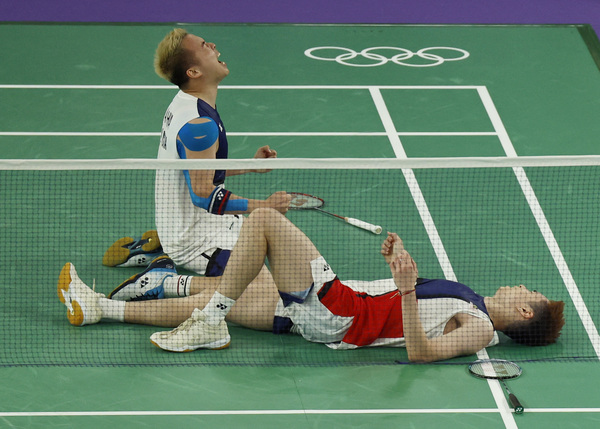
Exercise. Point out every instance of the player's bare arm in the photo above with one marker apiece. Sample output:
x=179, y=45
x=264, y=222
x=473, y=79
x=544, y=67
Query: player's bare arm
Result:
x=202, y=183
x=264, y=152
x=464, y=334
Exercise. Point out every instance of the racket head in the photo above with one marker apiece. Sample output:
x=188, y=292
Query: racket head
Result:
x=495, y=369
x=302, y=201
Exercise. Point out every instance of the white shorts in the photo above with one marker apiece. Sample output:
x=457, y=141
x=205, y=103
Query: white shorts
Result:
x=193, y=252
x=312, y=319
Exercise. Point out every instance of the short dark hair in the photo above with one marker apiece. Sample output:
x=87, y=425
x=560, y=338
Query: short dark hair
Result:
x=543, y=328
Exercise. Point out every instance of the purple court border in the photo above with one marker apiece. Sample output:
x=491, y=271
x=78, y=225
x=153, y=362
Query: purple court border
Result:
x=308, y=11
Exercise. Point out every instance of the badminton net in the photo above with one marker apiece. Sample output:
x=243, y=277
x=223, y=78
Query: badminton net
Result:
x=483, y=222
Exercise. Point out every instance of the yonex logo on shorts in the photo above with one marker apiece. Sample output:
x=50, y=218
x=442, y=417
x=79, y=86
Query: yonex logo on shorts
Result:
x=429, y=57
x=221, y=306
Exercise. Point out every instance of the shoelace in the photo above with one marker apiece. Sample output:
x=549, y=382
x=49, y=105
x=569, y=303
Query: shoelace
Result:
x=94, y=290
x=184, y=326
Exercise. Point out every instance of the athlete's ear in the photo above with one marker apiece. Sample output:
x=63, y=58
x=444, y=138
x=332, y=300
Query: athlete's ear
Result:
x=525, y=311
x=193, y=73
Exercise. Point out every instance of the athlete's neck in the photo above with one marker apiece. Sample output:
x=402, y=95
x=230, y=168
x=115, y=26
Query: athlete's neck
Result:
x=494, y=312
x=208, y=95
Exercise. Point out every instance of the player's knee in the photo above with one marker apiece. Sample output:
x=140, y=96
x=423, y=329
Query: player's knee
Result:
x=259, y=215
x=264, y=216
x=262, y=213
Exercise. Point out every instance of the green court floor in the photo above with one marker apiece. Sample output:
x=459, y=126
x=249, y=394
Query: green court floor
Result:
x=89, y=92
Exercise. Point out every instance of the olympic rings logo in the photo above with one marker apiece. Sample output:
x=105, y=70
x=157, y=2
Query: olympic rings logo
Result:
x=431, y=56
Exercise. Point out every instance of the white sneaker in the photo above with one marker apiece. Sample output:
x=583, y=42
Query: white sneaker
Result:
x=81, y=301
x=193, y=334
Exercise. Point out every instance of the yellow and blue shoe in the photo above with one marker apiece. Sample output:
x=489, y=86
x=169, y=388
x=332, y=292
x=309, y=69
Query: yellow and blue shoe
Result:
x=81, y=301
x=133, y=252
x=149, y=284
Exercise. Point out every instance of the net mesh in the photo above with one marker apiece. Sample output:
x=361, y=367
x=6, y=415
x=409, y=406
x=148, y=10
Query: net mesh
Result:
x=482, y=223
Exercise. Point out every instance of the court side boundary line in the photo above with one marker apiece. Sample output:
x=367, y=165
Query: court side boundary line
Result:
x=544, y=226
x=434, y=237
x=283, y=412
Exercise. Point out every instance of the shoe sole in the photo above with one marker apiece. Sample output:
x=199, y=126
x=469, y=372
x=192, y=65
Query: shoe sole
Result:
x=75, y=317
x=119, y=253
x=191, y=349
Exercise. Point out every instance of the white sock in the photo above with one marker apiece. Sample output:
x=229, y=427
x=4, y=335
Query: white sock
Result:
x=112, y=310
x=177, y=286
x=217, y=308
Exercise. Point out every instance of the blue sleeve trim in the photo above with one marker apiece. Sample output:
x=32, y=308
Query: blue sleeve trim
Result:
x=196, y=200
x=199, y=137
x=237, y=205
x=218, y=202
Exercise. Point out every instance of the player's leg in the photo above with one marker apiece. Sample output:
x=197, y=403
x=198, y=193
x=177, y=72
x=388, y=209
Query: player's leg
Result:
x=85, y=307
x=256, y=306
x=254, y=309
x=266, y=234
x=161, y=280
x=167, y=313
x=269, y=235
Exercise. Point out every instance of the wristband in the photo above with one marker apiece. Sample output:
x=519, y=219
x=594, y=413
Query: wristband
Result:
x=220, y=202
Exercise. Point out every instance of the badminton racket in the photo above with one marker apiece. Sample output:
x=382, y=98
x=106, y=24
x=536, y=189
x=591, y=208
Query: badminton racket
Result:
x=499, y=369
x=310, y=202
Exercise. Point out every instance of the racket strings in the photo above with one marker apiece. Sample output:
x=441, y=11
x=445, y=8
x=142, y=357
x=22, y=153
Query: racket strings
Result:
x=304, y=201
x=495, y=369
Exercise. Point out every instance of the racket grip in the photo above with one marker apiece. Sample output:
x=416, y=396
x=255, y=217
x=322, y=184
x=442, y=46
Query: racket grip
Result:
x=516, y=404
x=375, y=229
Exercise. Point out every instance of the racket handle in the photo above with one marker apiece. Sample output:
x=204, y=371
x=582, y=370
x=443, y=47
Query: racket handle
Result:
x=516, y=404
x=375, y=229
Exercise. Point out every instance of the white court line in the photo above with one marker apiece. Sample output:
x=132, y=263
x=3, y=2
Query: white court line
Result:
x=375, y=133
x=77, y=134
x=287, y=412
x=284, y=412
x=435, y=238
x=543, y=224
